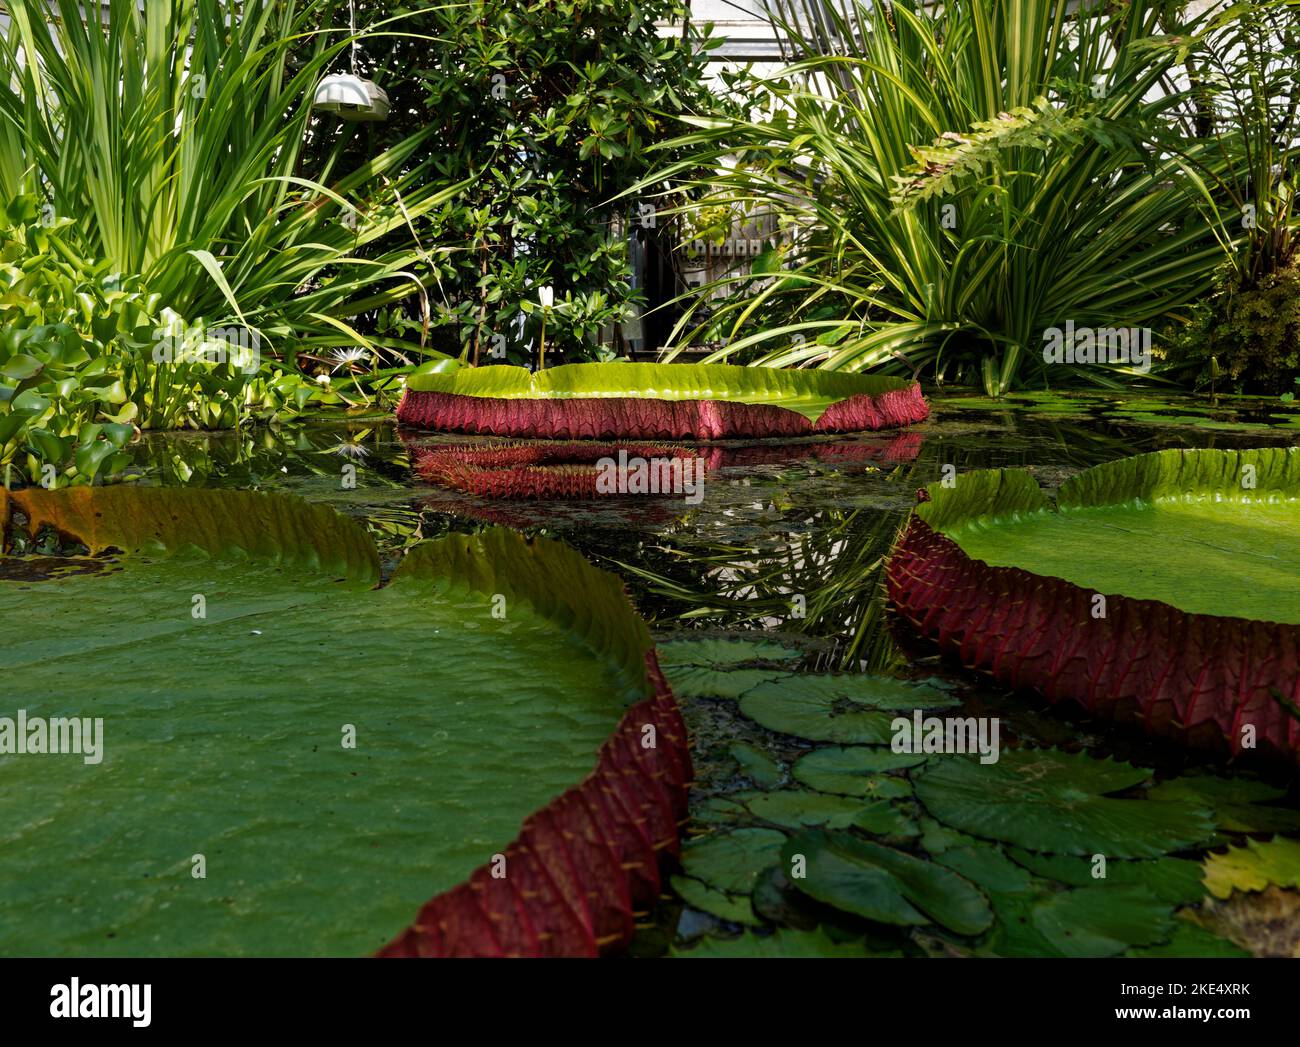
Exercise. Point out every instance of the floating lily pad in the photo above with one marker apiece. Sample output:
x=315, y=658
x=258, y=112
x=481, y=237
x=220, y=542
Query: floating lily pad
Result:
x=1238, y=804
x=797, y=808
x=719, y=871
x=1166, y=585
x=703, y=681
x=1046, y=800
x=1273, y=863
x=326, y=752
x=1188, y=940
x=853, y=771
x=657, y=401
x=844, y=708
x=1173, y=880
x=1099, y=921
x=883, y=884
x=709, y=651
x=756, y=764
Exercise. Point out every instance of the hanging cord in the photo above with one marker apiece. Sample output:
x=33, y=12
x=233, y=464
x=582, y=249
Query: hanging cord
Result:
x=352, y=29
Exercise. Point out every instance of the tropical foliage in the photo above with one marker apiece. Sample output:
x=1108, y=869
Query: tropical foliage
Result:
x=953, y=182
x=548, y=108
x=161, y=153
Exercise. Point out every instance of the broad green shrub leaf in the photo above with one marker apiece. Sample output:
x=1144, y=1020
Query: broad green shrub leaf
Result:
x=1047, y=800
x=780, y=944
x=224, y=732
x=885, y=885
x=1273, y=863
x=853, y=771
x=721, y=652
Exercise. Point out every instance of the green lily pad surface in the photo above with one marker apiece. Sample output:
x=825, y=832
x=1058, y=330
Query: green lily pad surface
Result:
x=809, y=392
x=1206, y=532
x=293, y=758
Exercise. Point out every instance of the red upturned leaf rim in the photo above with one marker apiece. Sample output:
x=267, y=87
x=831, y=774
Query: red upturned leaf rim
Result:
x=1198, y=679
x=584, y=863
x=657, y=402
x=573, y=469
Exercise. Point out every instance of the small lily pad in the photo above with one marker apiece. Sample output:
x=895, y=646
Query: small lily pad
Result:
x=883, y=884
x=719, y=871
x=702, y=681
x=722, y=652
x=756, y=764
x=852, y=771
x=1273, y=863
x=1047, y=800
x=1237, y=804
x=798, y=808
x=1173, y=880
x=843, y=707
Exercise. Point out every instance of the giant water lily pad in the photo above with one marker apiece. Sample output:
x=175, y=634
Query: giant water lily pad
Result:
x=654, y=401
x=1163, y=588
x=294, y=757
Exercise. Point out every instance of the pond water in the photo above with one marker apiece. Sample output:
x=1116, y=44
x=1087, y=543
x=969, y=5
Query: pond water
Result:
x=787, y=543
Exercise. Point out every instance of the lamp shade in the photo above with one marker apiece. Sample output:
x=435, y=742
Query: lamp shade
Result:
x=351, y=98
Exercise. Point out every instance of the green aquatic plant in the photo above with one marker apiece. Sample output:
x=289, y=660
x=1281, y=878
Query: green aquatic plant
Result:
x=948, y=184
x=302, y=766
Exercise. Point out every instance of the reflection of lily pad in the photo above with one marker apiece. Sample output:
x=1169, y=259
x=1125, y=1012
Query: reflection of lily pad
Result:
x=883, y=884
x=846, y=708
x=1046, y=800
x=336, y=752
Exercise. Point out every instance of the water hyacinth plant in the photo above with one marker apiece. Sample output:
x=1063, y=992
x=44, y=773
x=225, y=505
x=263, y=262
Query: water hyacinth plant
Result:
x=953, y=184
x=173, y=137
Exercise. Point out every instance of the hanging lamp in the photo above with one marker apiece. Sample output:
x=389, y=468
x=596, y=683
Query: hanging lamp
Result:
x=348, y=95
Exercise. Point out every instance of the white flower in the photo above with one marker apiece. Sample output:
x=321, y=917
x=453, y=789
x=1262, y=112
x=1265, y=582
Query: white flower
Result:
x=347, y=357
x=546, y=295
x=323, y=379
x=351, y=449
